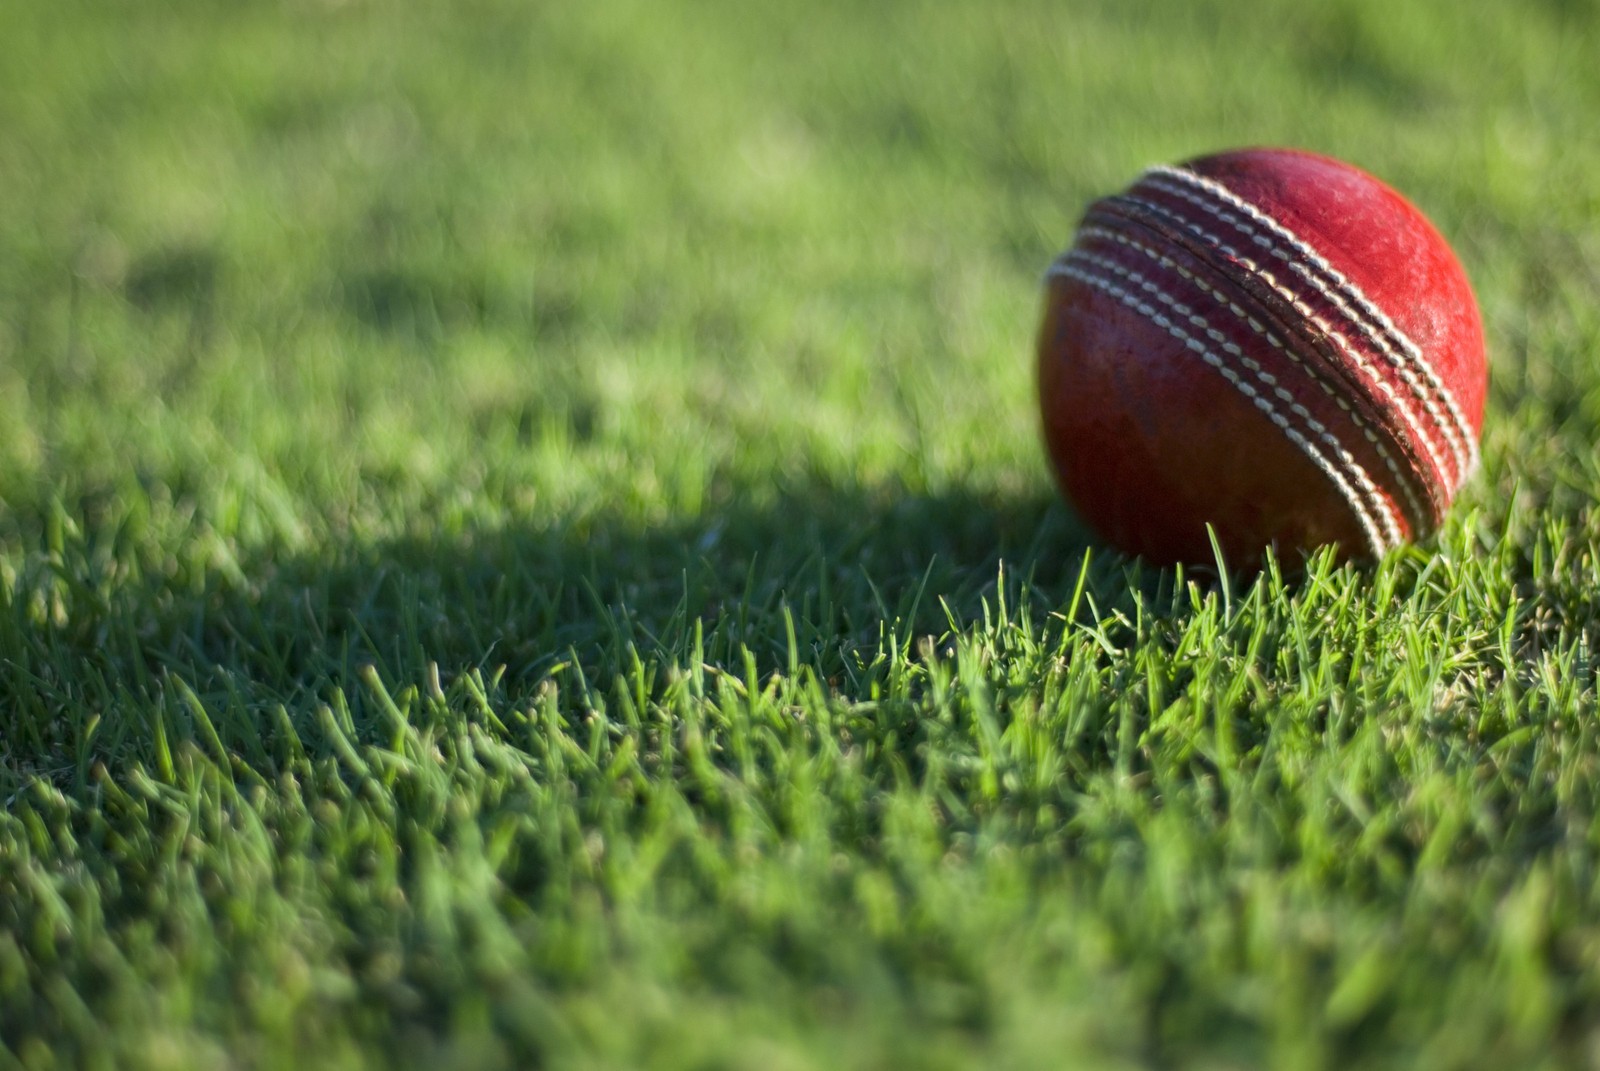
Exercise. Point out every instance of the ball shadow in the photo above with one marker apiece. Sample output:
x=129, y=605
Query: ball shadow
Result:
x=822, y=575
x=806, y=574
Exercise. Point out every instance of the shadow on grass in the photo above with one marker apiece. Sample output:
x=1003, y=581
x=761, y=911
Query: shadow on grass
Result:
x=833, y=567
x=823, y=576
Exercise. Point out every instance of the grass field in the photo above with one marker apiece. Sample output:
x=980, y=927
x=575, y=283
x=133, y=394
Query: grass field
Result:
x=524, y=543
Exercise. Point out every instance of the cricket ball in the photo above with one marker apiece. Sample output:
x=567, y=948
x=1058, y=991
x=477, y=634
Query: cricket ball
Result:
x=1266, y=341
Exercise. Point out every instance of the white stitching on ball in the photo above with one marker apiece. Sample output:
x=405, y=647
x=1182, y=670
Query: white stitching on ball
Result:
x=1426, y=516
x=1427, y=440
x=1350, y=466
x=1337, y=288
x=1375, y=540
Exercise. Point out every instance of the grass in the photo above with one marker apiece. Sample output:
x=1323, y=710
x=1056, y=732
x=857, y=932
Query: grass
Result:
x=523, y=543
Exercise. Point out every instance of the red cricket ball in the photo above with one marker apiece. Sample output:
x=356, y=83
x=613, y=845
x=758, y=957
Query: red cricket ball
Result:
x=1267, y=341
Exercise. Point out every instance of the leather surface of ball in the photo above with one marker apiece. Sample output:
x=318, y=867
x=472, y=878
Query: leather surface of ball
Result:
x=1268, y=341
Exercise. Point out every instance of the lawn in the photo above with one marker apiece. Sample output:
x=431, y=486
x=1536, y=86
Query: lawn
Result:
x=524, y=543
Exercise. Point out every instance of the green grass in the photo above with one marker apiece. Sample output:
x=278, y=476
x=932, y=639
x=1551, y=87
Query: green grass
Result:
x=523, y=542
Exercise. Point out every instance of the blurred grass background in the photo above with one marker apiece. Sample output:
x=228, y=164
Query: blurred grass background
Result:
x=502, y=511
x=346, y=235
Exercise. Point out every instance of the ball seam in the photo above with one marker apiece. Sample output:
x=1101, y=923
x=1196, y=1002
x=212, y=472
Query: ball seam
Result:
x=1376, y=541
x=1425, y=436
x=1421, y=517
x=1343, y=294
x=1352, y=468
